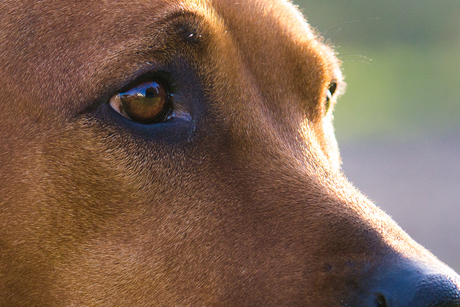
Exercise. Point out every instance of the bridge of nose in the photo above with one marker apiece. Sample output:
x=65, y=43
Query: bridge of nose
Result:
x=288, y=63
x=400, y=285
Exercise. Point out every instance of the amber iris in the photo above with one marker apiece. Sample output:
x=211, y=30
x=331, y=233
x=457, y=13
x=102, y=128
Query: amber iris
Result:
x=146, y=102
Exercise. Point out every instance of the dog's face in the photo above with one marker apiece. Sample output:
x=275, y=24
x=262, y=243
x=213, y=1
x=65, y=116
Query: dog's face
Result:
x=171, y=153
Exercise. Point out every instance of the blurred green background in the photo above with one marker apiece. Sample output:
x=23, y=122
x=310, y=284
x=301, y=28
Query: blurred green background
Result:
x=401, y=60
x=398, y=124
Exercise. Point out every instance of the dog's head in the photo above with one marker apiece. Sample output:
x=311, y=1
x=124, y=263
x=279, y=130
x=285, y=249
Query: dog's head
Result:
x=173, y=153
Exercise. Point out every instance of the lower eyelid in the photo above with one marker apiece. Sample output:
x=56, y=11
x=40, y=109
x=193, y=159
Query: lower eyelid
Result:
x=181, y=114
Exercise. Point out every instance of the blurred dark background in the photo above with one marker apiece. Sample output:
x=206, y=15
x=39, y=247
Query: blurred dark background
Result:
x=398, y=125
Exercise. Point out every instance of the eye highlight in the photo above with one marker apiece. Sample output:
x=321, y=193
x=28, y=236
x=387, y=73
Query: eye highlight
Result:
x=146, y=103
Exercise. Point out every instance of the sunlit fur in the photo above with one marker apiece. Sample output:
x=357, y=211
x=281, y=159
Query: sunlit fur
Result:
x=244, y=205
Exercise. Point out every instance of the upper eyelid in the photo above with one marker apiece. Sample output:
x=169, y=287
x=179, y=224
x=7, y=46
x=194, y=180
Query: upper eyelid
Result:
x=123, y=82
x=161, y=76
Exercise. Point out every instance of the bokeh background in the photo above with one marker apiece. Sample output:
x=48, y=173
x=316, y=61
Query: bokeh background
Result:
x=398, y=125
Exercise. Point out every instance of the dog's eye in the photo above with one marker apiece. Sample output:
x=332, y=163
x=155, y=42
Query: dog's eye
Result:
x=146, y=103
x=330, y=92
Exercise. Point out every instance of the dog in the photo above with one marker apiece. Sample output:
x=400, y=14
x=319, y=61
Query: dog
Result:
x=181, y=153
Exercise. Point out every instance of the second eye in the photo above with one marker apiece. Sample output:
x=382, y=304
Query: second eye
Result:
x=330, y=92
x=146, y=103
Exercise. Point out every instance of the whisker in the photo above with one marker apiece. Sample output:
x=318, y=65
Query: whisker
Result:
x=355, y=58
x=339, y=26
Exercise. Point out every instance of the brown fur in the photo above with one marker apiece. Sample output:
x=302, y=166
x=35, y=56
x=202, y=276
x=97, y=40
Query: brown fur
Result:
x=245, y=205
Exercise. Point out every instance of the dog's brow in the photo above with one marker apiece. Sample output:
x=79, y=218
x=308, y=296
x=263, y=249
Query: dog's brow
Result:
x=186, y=23
x=168, y=31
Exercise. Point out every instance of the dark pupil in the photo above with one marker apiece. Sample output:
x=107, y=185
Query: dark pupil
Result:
x=145, y=103
x=150, y=92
